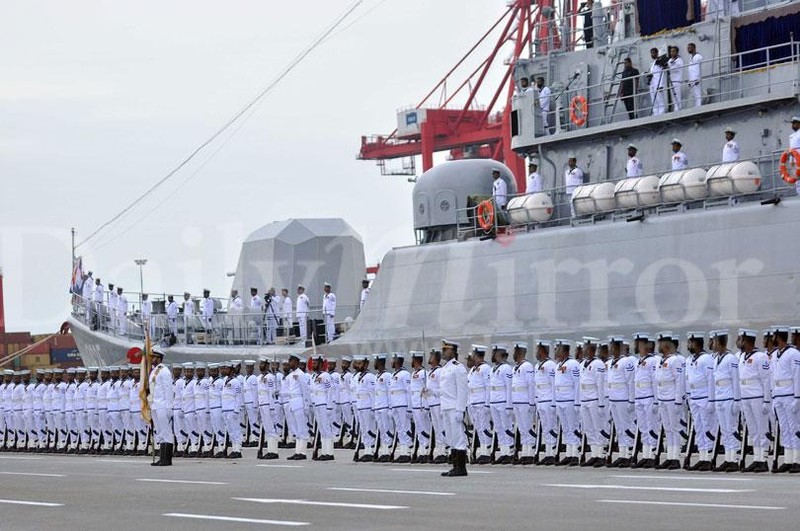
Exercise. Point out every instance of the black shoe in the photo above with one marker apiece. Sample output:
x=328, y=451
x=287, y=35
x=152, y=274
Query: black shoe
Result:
x=564, y=462
x=386, y=458
x=423, y=459
x=784, y=468
x=219, y=455
x=757, y=466
x=662, y=465
x=235, y=455
x=548, y=461
x=673, y=464
x=440, y=460
x=589, y=462
x=402, y=459
x=732, y=467
x=483, y=460
x=366, y=458
x=600, y=463
x=702, y=466
x=300, y=457
x=574, y=461
x=292, y=457
x=795, y=469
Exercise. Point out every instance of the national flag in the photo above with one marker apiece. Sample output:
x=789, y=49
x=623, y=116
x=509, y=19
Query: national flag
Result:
x=76, y=285
x=144, y=377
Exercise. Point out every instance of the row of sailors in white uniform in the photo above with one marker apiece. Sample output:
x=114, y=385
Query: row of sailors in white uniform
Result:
x=647, y=392
x=74, y=409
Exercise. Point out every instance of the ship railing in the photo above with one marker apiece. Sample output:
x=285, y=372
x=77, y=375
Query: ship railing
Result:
x=223, y=328
x=559, y=205
x=751, y=74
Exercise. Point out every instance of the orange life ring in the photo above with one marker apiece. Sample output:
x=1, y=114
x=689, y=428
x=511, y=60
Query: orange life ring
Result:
x=486, y=215
x=785, y=175
x=578, y=110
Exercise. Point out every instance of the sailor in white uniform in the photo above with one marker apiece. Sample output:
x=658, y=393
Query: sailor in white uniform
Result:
x=148, y=320
x=122, y=312
x=593, y=402
x=188, y=315
x=301, y=311
x=381, y=408
x=329, y=313
x=189, y=408
x=535, y=182
x=699, y=389
x=235, y=311
x=670, y=381
x=658, y=84
x=785, y=363
x=755, y=381
x=679, y=159
x=251, y=400
x=111, y=307
x=676, y=66
x=453, y=393
x=207, y=310
x=297, y=394
x=321, y=389
x=523, y=397
x=545, y=383
x=434, y=406
x=364, y=293
x=178, y=427
x=400, y=408
x=727, y=399
x=620, y=386
x=162, y=395
x=255, y=317
x=695, y=74
x=567, y=399
x=232, y=410
x=501, y=406
x=633, y=168
x=499, y=190
x=544, y=103
x=419, y=409
x=730, y=151
x=479, y=382
x=286, y=312
x=364, y=383
x=794, y=141
x=217, y=382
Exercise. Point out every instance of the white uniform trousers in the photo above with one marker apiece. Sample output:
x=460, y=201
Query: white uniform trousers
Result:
x=401, y=419
x=271, y=329
x=48, y=428
x=623, y=417
x=677, y=96
x=568, y=417
x=422, y=427
x=454, y=429
x=38, y=427
x=437, y=426
x=322, y=416
x=234, y=429
x=217, y=424
x=302, y=323
x=115, y=425
x=163, y=426
x=330, y=328
x=347, y=415
x=71, y=427
x=173, y=326
x=669, y=413
x=139, y=429
x=385, y=435
x=190, y=427
x=787, y=421
x=523, y=422
x=84, y=433
x=592, y=417
x=366, y=428
x=728, y=425
x=268, y=421
x=502, y=427
x=704, y=420
x=127, y=426
x=548, y=423
x=757, y=422
x=696, y=90
x=177, y=427
x=60, y=428
x=253, y=422
x=647, y=421
x=480, y=415
x=657, y=98
x=298, y=423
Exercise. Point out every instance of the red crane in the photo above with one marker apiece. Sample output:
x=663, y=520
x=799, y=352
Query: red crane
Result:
x=466, y=130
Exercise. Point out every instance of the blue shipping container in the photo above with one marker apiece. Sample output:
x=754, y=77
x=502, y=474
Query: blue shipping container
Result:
x=64, y=355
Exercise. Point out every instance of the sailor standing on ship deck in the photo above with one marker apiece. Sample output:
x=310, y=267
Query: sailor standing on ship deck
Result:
x=794, y=141
x=675, y=76
x=534, y=178
x=695, y=74
x=634, y=166
x=207, y=310
x=256, y=309
x=329, y=313
x=658, y=83
x=679, y=159
x=730, y=151
x=301, y=309
x=499, y=190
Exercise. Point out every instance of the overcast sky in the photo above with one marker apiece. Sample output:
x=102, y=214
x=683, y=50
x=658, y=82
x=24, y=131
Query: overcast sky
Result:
x=100, y=99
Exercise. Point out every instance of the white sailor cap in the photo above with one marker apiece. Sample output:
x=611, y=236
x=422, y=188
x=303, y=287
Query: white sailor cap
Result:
x=17, y=373
x=300, y=286
x=563, y=343
x=500, y=346
x=641, y=336
x=748, y=332
x=327, y=285
x=359, y=357
x=398, y=355
x=380, y=356
x=616, y=339
x=415, y=354
x=796, y=329
x=588, y=340
x=730, y=129
x=626, y=342
x=213, y=365
x=479, y=349
x=676, y=141
x=93, y=369
x=603, y=343
x=664, y=336
x=695, y=335
x=782, y=328
x=250, y=362
x=718, y=333
x=572, y=156
x=236, y=363
x=294, y=355
x=177, y=366
x=769, y=332
x=8, y=372
x=47, y=371
x=71, y=370
x=81, y=370
x=521, y=345
x=58, y=371
x=449, y=343
x=347, y=358
x=105, y=369
x=796, y=118
x=317, y=357
x=113, y=368
x=200, y=365
x=633, y=146
x=188, y=365
x=533, y=160
x=263, y=359
x=24, y=372
x=542, y=343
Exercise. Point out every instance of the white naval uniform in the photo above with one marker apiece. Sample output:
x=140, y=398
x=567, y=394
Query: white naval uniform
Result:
x=400, y=404
x=501, y=407
x=81, y=414
x=215, y=409
x=422, y=419
x=730, y=151
x=381, y=411
x=534, y=184
x=523, y=397
x=190, y=414
x=435, y=408
x=545, y=384
x=87, y=293
x=479, y=379
x=453, y=396
x=39, y=424
x=122, y=314
x=266, y=409
x=621, y=391
x=670, y=390
x=297, y=400
x=163, y=395
x=593, y=402
x=794, y=143
x=544, y=108
x=92, y=412
x=727, y=395
x=111, y=308
x=139, y=425
x=364, y=295
x=365, y=403
x=755, y=384
x=647, y=421
x=679, y=161
x=658, y=88
x=286, y=315
x=70, y=420
x=321, y=390
x=17, y=397
x=676, y=80
x=500, y=193
x=104, y=419
x=207, y=312
x=232, y=411
x=301, y=310
x=572, y=179
x=786, y=398
x=125, y=412
x=255, y=319
x=114, y=413
x=699, y=388
x=178, y=427
x=202, y=412
x=329, y=314
x=567, y=398
x=251, y=405
x=695, y=79
x=633, y=168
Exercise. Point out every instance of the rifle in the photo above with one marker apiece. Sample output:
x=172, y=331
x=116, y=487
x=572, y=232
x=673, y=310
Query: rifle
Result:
x=357, y=453
x=776, y=446
x=538, y=438
x=316, y=439
x=690, y=446
x=743, y=456
x=612, y=437
x=660, y=443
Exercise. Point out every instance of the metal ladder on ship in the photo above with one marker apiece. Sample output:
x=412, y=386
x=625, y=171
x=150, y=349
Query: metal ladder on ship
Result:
x=612, y=82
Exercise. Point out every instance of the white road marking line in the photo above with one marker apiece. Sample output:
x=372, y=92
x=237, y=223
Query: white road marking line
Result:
x=323, y=504
x=632, y=487
x=282, y=466
x=389, y=491
x=33, y=474
x=151, y=480
x=127, y=462
x=287, y=523
x=20, y=457
x=689, y=504
x=432, y=470
x=687, y=478
x=37, y=504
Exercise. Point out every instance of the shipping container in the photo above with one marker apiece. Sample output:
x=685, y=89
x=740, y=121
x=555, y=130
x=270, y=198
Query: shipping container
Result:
x=64, y=355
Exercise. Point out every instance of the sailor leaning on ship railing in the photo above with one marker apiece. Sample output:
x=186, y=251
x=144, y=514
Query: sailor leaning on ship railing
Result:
x=579, y=403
